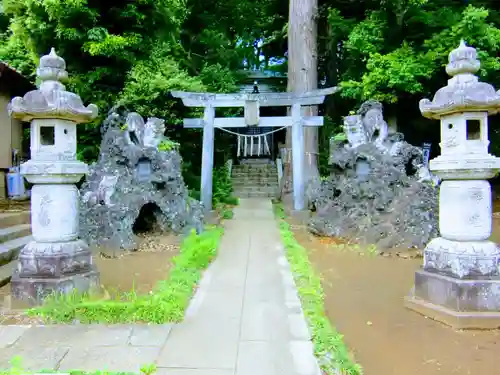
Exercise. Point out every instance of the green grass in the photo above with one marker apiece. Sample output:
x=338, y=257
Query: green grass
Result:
x=225, y=210
x=166, y=303
x=17, y=369
x=329, y=346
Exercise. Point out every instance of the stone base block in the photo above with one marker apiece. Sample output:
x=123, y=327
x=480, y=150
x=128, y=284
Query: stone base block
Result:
x=464, y=304
x=454, y=319
x=33, y=290
x=459, y=259
x=54, y=260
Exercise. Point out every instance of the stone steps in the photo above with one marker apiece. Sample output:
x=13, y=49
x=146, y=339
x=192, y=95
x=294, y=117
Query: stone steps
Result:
x=253, y=175
x=246, y=178
x=256, y=188
x=257, y=161
x=249, y=167
x=8, y=219
x=255, y=180
x=254, y=170
x=254, y=194
x=15, y=233
x=237, y=184
x=6, y=272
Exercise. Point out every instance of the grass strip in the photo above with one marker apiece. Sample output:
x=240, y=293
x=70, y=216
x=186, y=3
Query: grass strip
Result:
x=329, y=346
x=16, y=368
x=166, y=302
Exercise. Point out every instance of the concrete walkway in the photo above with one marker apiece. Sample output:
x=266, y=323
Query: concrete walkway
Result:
x=245, y=319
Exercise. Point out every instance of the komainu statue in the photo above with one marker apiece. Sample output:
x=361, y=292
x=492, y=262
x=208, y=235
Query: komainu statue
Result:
x=133, y=177
x=379, y=191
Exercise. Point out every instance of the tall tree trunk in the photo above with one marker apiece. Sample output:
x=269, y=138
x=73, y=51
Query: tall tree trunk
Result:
x=302, y=76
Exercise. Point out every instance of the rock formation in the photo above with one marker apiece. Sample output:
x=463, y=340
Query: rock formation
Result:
x=380, y=191
x=137, y=182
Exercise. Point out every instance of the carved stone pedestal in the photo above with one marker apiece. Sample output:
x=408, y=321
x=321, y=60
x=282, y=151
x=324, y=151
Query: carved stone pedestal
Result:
x=53, y=267
x=460, y=281
x=33, y=290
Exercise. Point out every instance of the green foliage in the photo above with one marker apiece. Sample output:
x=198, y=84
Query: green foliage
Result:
x=388, y=75
x=223, y=187
x=405, y=66
x=327, y=131
x=135, y=53
x=329, y=346
x=14, y=53
x=150, y=81
x=367, y=36
x=168, y=145
x=100, y=41
x=219, y=78
x=166, y=303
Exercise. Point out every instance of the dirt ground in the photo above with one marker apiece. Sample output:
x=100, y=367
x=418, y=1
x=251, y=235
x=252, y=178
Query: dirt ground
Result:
x=364, y=301
x=139, y=271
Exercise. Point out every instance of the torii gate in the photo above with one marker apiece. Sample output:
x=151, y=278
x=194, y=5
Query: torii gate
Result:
x=251, y=104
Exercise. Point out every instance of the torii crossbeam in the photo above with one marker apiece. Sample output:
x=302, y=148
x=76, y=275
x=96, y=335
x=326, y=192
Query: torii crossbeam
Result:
x=251, y=104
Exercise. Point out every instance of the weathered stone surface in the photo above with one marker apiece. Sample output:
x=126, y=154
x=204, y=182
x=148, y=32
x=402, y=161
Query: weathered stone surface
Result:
x=132, y=174
x=54, y=259
x=34, y=358
x=10, y=334
x=468, y=259
x=150, y=335
x=464, y=91
x=113, y=358
x=480, y=294
x=34, y=290
x=378, y=192
x=51, y=100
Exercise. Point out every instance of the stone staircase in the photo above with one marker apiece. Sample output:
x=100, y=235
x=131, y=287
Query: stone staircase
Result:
x=15, y=232
x=255, y=178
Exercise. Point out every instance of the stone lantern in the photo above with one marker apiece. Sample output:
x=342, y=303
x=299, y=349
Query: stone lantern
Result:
x=460, y=281
x=56, y=260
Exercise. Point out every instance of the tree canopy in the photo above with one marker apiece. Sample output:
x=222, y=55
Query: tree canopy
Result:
x=135, y=52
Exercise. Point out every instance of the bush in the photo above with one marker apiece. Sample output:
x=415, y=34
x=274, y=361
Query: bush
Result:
x=223, y=187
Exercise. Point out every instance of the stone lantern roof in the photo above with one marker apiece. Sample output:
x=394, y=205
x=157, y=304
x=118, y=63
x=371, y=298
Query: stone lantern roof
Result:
x=51, y=100
x=464, y=92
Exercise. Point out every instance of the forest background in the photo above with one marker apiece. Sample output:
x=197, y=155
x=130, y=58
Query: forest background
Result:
x=135, y=52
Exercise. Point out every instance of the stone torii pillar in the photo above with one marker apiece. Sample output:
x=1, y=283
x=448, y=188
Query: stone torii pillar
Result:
x=56, y=261
x=251, y=104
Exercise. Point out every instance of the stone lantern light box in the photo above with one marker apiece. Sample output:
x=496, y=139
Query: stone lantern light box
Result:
x=465, y=133
x=53, y=139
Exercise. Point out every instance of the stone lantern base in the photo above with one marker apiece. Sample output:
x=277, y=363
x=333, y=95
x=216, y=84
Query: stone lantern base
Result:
x=46, y=268
x=459, y=284
x=461, y=304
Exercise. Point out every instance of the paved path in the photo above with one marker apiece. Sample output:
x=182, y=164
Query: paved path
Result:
x=245, y=319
